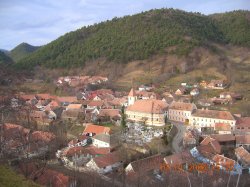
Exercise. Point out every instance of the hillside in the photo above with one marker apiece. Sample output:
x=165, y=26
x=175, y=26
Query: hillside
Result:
x=5, y=59
x=21, y=51
x=129, y=38
x=9, y=178
x=235, y=27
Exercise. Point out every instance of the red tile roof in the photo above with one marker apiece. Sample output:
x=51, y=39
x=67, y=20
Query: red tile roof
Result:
x=223, y=137
x=74, y=106
x=243, y=154
x=67, y=99
x=182, y=106
x=148, y=106
x=243, y=122
x=107, y=160
x=243, y=139
x=217, y=114
x=86, y=150
x=132, y=93
x=109, y=112
x=223, y=161
x=96, y=103
x=91, y=128
x=179, y=158
x=147, y=164
x=214, y=143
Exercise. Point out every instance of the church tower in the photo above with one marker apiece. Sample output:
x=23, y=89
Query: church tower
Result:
x=132, y=97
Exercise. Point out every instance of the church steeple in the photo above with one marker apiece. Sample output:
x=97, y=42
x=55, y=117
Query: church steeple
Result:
x=132, y=97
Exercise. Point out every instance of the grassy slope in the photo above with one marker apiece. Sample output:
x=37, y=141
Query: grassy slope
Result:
x=8, y=178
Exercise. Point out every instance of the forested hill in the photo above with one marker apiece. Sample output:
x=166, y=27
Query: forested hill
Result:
x=21, y=51
x=235, y=27
x=140, y=36
x=4, y=59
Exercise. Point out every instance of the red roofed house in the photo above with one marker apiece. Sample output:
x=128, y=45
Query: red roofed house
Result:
x=65, y=101
x=204, y=119
x=222, y=128
x=243, y=156
x=92, y=130
x=243, y=140
x=214, y=143
x=243, y=125
x=223, y=162
x=180, y=111
x=145, y=165
x=224, y=139
x=109, y=115
x=106, y=163
x=73, y=112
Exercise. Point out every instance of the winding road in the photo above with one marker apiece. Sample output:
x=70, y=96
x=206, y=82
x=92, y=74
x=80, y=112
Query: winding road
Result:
x=177, y=140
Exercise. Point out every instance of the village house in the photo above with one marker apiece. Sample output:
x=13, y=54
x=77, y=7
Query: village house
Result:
x=109, y=115
x=230, y=96
x=65, y=101
x=95, y=104
x=106, y=163
x=177, y=160
x=91, y=130
x=101, y=140
x=204, y=119
x=79, y=141
x=145, y=166
x=222, y=128
x=214, y=143
x=73, y=112
x=189, y=139
x=151, y=112
x=195, y=92
x=224, y=139
x=138, y=95
x=181, y=91
x=145, y=88
x=243, y=140
x=42, y=118
x=223, y=162
x=117, y=103
x=181, y=112
x=203, y=84
x=145, y=95
x=217, y=84
x=242, y=125
x=243, y=156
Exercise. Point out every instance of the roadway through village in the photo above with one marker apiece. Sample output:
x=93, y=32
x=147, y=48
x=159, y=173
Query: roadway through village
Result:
x=177, y=140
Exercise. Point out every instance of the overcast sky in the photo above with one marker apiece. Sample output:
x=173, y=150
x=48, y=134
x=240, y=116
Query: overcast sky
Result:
x=38, y=22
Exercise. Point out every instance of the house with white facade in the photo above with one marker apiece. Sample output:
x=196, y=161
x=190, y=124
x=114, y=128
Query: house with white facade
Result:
x=101, y=140
x=181, y=112
x=204, y=118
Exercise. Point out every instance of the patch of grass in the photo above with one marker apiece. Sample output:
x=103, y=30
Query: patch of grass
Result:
x=9, y=178
x=75, y=129
x=108, y=124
